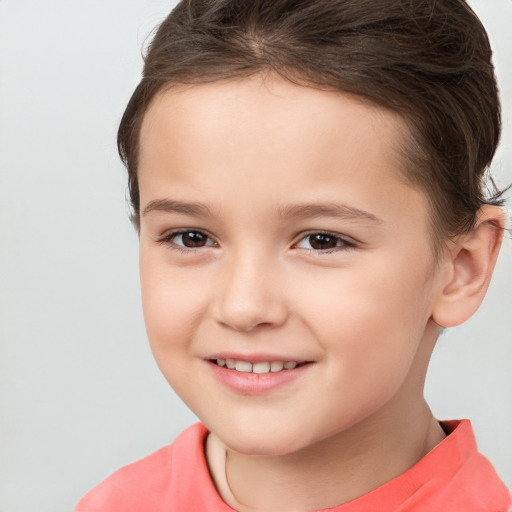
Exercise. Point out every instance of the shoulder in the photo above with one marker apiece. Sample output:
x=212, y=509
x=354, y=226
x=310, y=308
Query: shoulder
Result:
x=461, y=477
x=144, y=485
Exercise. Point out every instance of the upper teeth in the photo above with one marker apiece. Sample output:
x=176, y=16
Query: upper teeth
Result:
x=263, y=367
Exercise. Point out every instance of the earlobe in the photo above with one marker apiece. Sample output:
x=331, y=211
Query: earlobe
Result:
x=471, y=263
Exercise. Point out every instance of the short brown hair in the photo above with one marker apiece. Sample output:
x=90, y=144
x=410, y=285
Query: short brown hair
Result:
x=428, y=60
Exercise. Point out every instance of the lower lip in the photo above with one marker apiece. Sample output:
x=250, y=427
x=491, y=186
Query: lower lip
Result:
x=256, y=383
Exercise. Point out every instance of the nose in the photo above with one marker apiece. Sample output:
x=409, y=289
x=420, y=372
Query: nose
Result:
x=251, y=295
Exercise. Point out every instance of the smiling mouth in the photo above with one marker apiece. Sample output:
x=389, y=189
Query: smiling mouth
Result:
x=259, y=368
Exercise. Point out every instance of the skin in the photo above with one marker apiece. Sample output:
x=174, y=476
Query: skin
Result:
x=363, y=314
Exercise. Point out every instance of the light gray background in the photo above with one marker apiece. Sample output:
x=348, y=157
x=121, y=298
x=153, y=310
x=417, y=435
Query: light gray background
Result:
x=80, y=394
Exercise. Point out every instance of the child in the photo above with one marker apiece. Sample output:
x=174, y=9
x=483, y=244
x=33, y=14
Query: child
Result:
x=306, y=178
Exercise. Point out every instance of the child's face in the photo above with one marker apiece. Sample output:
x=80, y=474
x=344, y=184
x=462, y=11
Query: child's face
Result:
x=276, y=227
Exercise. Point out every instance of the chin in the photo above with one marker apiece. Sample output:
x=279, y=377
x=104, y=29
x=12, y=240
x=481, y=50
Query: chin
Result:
x=260, y=440
x=261, y=446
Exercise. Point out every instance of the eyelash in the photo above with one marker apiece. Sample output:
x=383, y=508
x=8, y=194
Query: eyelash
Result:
x=167, y=239
x=344, y=242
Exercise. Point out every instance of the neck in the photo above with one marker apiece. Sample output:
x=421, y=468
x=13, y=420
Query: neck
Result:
x=332, y=472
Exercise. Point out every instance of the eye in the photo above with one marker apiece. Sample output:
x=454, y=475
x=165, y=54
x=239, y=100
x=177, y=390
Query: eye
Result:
x=188, y=239
x=325, y=242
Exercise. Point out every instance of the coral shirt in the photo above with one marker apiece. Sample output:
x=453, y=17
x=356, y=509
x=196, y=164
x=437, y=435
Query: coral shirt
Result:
x=453, y=477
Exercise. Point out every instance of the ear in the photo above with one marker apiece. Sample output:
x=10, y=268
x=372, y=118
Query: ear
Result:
x=471, y=262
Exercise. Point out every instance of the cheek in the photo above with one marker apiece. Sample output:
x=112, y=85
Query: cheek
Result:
x=173, y=303
x=366, y=300
x=370, y=324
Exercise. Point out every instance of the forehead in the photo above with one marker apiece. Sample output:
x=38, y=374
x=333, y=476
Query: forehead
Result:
x=281, y=138
x=267, y=113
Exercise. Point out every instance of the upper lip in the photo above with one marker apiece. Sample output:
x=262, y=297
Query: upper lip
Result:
x=257, y=358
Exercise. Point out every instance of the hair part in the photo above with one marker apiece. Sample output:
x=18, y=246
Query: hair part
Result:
x=428, y=60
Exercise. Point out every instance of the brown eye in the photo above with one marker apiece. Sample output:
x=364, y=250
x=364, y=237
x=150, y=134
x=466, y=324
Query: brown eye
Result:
x=187, y=240
x=191, y=239
x=322, y=241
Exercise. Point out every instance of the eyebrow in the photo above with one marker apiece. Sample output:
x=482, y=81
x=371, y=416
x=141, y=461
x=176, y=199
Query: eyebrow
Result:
x=340, y=211
x=170, y=206
x=296, y=211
